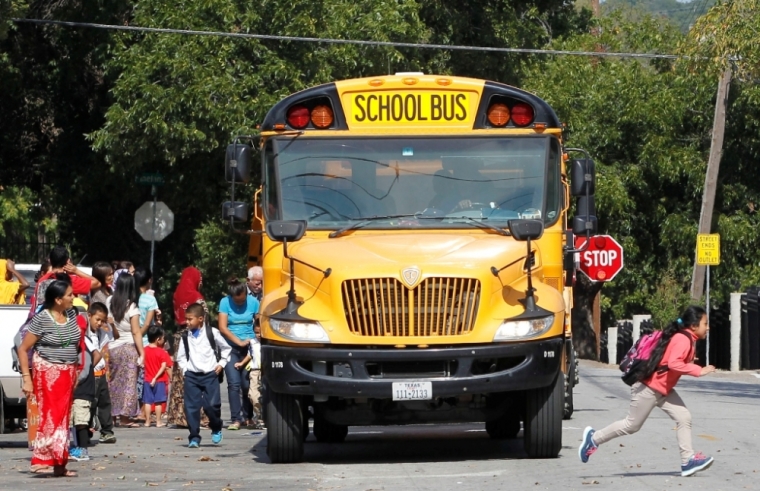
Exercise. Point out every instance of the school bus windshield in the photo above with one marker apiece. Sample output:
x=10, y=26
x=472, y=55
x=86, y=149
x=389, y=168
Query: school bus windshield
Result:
x=420, y=182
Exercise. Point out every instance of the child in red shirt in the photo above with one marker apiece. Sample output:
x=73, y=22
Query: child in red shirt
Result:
x=157, y=360
x=672, y=358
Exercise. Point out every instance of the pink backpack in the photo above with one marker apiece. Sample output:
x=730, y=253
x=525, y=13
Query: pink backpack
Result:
x=635, y=362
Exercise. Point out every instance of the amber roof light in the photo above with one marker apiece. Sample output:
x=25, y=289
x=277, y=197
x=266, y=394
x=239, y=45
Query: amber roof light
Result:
x=322, y=117
x=498, y=114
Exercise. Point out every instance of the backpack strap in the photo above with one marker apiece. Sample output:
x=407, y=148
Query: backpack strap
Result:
x=186, y=343
x=212, y=341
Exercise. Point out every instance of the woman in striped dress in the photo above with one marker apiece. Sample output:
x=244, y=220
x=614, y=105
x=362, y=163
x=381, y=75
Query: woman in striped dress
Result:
x=54, y=335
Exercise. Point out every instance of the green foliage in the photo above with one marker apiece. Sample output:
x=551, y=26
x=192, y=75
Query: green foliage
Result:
x=500, y=23
x=18, y=213
x=647, y=123
x=681, y=14
x=644, y=123
x=220, y=256
x=728, y=35
x=10, y=9
x=668, y=300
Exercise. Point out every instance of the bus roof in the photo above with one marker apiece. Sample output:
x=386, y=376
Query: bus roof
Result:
x=412, y=100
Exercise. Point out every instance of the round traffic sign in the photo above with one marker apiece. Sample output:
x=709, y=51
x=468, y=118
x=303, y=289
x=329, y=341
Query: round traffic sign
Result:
x=147, y=228
x=602, y=260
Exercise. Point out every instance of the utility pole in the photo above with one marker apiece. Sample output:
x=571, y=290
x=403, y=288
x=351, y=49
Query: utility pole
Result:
x=711, y=177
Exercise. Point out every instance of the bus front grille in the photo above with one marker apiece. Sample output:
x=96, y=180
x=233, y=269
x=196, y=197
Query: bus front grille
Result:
x=435, y=307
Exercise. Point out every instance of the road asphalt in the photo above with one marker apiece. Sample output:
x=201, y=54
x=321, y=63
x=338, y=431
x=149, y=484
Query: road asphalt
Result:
x=726, y=421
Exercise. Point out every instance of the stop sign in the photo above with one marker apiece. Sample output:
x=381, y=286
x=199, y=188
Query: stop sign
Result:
x=603, y=259
x=150, y=229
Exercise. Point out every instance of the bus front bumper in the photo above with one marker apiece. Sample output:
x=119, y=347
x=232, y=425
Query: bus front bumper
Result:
x=370, y=373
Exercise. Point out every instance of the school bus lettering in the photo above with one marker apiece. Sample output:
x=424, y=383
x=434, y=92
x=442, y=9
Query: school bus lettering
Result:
x=411, y=108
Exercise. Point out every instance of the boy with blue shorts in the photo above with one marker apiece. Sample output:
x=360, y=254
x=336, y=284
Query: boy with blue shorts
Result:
x=157, y=360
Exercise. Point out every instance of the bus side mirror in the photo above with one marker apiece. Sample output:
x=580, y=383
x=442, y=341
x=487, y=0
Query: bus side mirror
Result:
x=582, y=177
x=523, y=230
x=286, y=230
x=585, y=220
x=237, y=162
x=237, y=210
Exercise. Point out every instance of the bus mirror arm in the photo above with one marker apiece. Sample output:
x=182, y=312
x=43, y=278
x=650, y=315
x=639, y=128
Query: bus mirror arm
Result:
x=325, y=272
x=527, y=230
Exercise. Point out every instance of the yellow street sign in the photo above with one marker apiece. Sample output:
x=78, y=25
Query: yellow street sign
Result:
x=708, y=249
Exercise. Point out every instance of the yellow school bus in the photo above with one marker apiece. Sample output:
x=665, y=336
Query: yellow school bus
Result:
x=417, y=259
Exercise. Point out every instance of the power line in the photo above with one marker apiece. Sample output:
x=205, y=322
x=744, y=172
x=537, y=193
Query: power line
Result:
x=699, y=10
x=344, y=41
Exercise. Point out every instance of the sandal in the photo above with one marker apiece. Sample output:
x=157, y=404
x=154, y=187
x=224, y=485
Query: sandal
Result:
x=234, y=426
x=41, y=469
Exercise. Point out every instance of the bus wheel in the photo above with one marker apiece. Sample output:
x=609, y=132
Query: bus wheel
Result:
x=326, y=432
x=284, y=428
x=507, y=426
x=543, y=420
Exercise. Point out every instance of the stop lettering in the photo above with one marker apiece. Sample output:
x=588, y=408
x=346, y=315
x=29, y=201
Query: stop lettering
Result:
x=603, y=258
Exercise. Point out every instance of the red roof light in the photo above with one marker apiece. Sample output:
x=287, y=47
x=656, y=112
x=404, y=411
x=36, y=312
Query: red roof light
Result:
x=522, y=114
x=298, y=117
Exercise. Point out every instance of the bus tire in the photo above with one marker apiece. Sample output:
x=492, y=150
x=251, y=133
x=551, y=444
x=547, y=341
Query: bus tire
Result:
x=326, y=432
x=506, y=427
x=284, y=428
x=543, y=420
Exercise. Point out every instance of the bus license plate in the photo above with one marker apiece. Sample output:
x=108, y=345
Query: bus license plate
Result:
x=412, y=391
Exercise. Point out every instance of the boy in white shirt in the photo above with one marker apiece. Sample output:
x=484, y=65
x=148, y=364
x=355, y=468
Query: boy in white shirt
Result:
x=101, y=335
x=197, y=357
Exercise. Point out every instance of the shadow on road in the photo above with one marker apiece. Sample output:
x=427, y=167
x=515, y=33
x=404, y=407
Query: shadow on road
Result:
x=720, y=388
x=406, y=444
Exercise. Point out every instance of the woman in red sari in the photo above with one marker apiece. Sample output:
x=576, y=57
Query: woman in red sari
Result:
x=55, y=337
x=186, y=294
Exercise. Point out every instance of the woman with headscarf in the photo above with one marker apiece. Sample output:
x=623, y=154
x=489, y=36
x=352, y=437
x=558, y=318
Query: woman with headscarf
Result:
x=11, y=292
x=186, y=294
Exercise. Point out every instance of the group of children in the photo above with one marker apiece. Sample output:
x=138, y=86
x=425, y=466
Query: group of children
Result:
x=92, y=398
x=202, y=356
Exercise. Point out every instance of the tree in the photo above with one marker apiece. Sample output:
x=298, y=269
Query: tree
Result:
x=644, y=123
x=501, y=24
x=53, y=92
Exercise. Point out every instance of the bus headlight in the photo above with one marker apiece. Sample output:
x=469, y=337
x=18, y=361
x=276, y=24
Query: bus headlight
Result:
x=311, y=332
x=523, y=329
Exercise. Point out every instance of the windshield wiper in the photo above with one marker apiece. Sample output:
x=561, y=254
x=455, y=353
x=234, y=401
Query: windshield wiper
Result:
x=480, y=224
x=362, y=221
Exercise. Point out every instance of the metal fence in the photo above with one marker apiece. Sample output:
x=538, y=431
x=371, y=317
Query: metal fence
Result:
x=23, y=250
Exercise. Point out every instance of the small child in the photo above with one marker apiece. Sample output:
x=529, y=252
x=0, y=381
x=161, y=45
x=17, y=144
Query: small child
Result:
x=252, y=362
x=101, y=335
x=84, y=393
x=157, y=360
x=201, y=365
x=672, y=357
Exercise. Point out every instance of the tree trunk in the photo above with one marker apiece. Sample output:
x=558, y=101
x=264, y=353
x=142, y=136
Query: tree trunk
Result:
x=584, y=337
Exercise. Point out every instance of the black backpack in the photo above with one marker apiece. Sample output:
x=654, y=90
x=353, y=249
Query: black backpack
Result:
x=211, y=341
